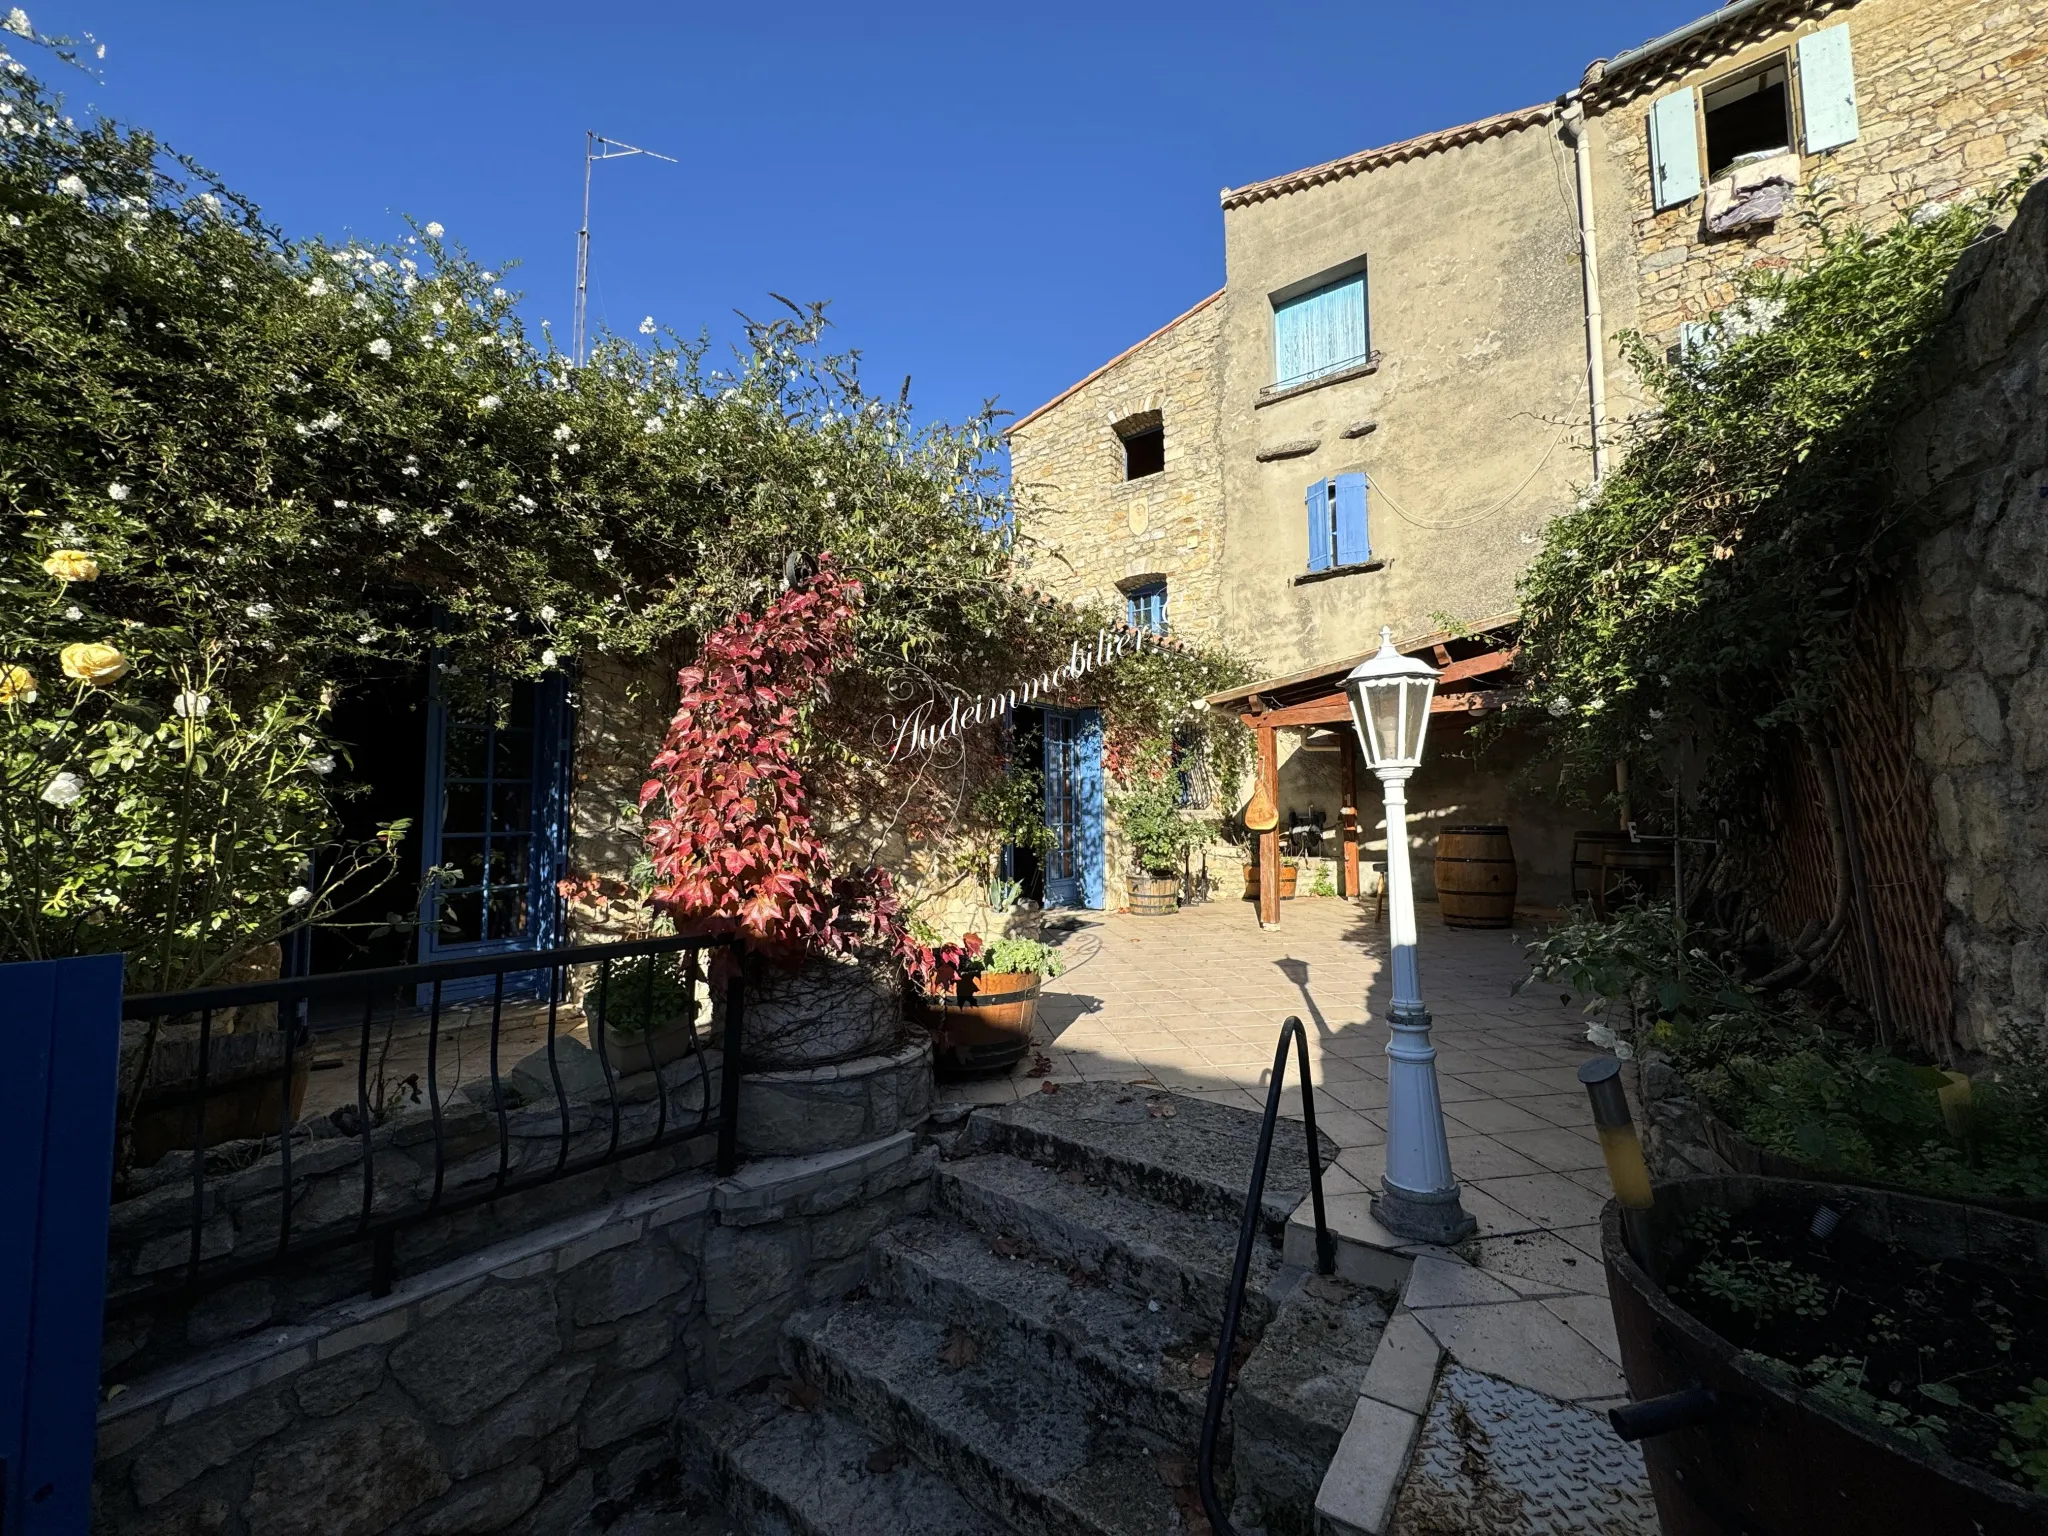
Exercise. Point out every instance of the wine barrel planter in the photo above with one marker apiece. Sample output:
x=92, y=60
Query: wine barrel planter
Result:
x=1290, y=877
x=1738, y=1447
x=1475, y=877
x=1744, y=1156
x=1154, y=895
x=983, y=1026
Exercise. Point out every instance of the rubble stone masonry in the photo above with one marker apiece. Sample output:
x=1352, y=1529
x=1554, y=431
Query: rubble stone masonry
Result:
x=1952, y=95
x=1084, y=529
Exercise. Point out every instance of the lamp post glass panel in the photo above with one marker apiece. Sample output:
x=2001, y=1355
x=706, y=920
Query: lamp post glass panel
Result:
x=1418, y=1197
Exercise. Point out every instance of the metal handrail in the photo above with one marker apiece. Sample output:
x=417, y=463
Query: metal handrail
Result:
x=1233, y=1305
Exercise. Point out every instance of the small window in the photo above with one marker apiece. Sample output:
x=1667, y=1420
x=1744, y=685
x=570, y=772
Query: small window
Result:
x=1144, y=452
x=1320, y=333
x=1748, y=117
x=1145, y=607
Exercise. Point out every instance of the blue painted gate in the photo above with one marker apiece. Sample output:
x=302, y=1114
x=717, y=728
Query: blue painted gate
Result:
x=60, y=1039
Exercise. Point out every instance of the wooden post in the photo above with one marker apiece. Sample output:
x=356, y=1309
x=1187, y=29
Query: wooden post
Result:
x=1347, y=817
x=1269, y=840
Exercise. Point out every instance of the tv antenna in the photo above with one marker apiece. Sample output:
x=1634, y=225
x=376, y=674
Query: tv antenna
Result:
x=596, y=147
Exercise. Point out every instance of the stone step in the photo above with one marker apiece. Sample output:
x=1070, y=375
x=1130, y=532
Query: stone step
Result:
x=1178, y=1258
x=1182, y=1151
x=1010, y=1441
x=779, y=1471
x=1296, y=1393
x=1112, y=1352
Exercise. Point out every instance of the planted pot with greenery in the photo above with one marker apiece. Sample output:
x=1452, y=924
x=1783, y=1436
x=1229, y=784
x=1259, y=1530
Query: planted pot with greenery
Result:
x=983, y=1023
x=1159, y=833
x=1880, y=1337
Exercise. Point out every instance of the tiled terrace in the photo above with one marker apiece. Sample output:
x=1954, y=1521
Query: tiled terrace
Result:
x=1194, y=1001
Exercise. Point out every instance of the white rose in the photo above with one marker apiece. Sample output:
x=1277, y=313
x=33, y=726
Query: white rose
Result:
x=299, y=896
x=71, y=186
x=434, y=230
x=380, y=348
x=118, y=491
x=322, y=765
x=191, y=705
x=547, y=613
x=64, y=789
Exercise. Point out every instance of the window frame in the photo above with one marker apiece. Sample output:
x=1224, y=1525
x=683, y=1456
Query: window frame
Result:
x=1795, y=134
x=1151, y=596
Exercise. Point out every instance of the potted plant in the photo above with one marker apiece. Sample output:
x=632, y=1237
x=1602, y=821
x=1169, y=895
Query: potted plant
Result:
x=1290, y=876
x=983, y=1023
x=734, y=847
x=1898, y=1343
x=1159, y=834
x=649, y=1007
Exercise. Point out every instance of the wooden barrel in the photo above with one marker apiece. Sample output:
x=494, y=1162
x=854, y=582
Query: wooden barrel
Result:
x=1586, y=850
x=1475, y=877
x=1290, y=881
x=1631, y=873
x=1154, y=895
x=983, y=1026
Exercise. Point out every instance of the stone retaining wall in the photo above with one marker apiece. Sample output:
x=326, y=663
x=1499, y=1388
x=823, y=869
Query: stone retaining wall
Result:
x=528, y=1387
x=1977, y=646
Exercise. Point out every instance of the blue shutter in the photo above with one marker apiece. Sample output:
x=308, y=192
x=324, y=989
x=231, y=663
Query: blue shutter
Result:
x=1318, y=503
x=1674, y=149
x=61, y=1034
x=1320, y=332
x=1090, y=848
x=1354, y=547
x=1827, y=89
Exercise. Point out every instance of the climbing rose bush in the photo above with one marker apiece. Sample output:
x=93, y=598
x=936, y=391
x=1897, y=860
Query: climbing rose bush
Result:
x=731, y=838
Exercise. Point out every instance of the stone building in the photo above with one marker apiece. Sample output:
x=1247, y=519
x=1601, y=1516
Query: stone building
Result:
x=1414, y=362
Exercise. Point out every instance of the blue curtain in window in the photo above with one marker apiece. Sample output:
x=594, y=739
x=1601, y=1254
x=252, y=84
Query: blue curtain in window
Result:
x=1320, y=332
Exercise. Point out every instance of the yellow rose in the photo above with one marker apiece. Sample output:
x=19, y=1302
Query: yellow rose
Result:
x=72, y=565
x=95, y=664
x=17, y=685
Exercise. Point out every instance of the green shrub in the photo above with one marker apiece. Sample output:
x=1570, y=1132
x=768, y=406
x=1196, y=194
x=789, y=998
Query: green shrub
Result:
x=1022, y=955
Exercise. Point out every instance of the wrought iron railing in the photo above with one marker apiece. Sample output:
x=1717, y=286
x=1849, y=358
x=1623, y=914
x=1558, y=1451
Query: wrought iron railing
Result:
x=1233, y=1305
x=430, y=1116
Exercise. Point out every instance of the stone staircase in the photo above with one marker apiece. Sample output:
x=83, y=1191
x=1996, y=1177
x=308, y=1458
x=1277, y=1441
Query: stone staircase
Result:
x=1032, y=1355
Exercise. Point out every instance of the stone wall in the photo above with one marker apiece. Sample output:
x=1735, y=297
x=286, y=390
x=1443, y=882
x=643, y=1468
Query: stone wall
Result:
x=1951, y=96
x=1976, y=460
x=1083, y=528
x=530, y=1387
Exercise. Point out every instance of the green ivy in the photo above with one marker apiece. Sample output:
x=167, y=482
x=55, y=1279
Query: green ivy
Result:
x=1704, y=589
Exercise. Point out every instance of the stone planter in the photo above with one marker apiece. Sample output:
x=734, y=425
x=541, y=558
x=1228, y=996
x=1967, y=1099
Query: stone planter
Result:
x=1752, y=1451
x=805, y=1110
x=983, y=1026
x=828, y=1009
x=244, y=1092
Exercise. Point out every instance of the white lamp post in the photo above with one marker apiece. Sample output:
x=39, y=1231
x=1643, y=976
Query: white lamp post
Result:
x=1418, y=1197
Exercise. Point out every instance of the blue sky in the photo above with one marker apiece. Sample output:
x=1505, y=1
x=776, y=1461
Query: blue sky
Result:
x=995, y=199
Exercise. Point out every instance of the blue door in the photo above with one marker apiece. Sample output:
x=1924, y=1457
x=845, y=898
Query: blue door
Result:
x=496, y=826
x=1074, y=867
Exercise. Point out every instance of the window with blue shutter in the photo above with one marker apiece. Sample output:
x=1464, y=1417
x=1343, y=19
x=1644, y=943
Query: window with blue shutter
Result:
x=1337, y=534
x=1350, y=545
x=1827, y=89
x=1321, y=332
x=1674, y=149
x=1145, y=607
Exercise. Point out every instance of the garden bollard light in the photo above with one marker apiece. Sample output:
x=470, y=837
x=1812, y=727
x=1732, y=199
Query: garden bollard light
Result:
x=1619, y=1145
